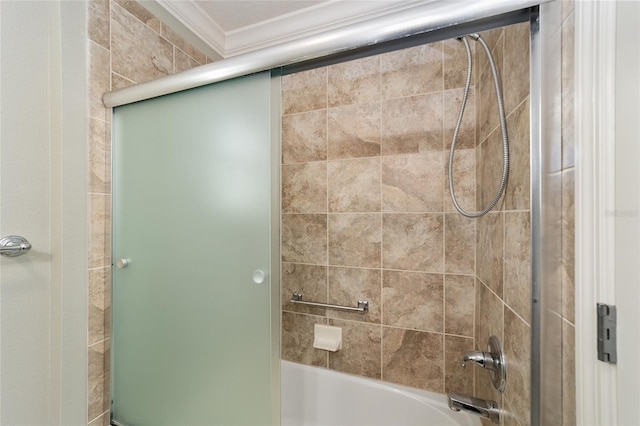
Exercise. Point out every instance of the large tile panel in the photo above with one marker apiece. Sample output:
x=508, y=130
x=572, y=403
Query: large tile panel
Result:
x=354, y=185
x=99, y=151
x=413, y=358
x=304, y=137
x=455, y=63
x=349, y=285
x=354, y=131
x=361, y=348
x=568, y=245
x=517, y=350
x=297, y=339
x=457, y=378
x=489, y=316
x=310, y=280
x=413, y=300
x=412, y=71
x=459, y=244
x=517, y=263
x=412, y=183
x=354, y=240
x=516, y=65
x=99, y=80
x=304, y=188
x=518, y=186
x=304, y=91
x=466, y=136
x=304, y=238
x=137, y=10
x=459, y=304
x=99, y=282
x=490, y=251
x=413, y=242
x=354, y=82
x=464, y=180
x=98, y=16
x=137, y=52
x=412, y=125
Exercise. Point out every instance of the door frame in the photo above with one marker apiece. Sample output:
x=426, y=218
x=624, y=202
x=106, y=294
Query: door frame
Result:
x=597, y=401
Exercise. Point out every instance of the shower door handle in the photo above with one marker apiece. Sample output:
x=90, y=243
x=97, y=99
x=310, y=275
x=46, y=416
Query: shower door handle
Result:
x=122, y=263
x=14, y=245
x=259, y=276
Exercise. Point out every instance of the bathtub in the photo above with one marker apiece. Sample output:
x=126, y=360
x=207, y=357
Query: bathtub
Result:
x=313, y=396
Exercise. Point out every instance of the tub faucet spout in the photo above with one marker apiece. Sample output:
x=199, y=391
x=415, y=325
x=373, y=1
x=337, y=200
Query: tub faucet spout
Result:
x=482, y=359
x=481, y=407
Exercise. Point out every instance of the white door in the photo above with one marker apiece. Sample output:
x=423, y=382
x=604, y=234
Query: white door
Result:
x=43, y=198
x=25, y=281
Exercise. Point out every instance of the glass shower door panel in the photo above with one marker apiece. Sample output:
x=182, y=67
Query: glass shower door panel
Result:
x=191, y=327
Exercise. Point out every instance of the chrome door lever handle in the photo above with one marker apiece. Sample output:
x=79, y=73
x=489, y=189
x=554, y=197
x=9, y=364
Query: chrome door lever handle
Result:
x=14, y=245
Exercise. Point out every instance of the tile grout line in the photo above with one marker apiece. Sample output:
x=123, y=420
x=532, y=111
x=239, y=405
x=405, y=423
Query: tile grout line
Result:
x=99, y=342
x=98, y=416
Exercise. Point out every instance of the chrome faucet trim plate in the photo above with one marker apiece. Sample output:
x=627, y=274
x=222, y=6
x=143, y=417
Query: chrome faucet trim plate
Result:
x=492, y=360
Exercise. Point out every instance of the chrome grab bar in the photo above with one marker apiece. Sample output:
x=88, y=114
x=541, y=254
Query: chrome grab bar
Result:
x=13, y=246
x=363, y=305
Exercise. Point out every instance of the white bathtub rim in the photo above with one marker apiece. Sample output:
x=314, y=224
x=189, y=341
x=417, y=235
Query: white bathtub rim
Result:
x=428, y=399
x=419, y=395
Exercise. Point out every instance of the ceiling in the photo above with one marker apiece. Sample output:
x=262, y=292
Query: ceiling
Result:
x=234, y=15
x=233, y=27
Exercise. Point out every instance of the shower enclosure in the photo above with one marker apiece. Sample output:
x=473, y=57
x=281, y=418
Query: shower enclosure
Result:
x=192, y=312
x=204, y=204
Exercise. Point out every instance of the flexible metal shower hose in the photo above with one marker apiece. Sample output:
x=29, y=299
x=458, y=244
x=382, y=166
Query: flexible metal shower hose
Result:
x=503, y=129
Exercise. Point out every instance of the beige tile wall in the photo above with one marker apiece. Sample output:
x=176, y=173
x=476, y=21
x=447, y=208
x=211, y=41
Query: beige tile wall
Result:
x=503, y=271
x=568, y=217
x=126, y=45
x=366, y=215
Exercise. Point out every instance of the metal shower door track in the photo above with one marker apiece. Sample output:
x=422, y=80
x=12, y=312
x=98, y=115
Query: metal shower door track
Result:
x=423, y=18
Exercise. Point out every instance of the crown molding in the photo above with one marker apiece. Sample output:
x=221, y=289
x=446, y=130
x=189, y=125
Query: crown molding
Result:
x=306, y=22
x=198, y=22
x=302, y=23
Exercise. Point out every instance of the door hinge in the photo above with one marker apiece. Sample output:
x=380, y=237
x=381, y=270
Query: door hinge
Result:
x=607, y=351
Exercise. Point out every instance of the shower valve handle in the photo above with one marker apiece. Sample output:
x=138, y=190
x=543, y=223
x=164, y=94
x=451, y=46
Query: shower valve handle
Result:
x=492, y=360
x=482, y=359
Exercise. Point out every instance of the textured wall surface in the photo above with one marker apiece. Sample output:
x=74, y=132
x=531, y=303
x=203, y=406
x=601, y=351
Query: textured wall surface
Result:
x=367, y=215
x=503, y=260
x=126, y=45
x=568, y=217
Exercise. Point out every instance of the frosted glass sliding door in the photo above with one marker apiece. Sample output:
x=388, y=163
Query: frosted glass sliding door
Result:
x=191, y=338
